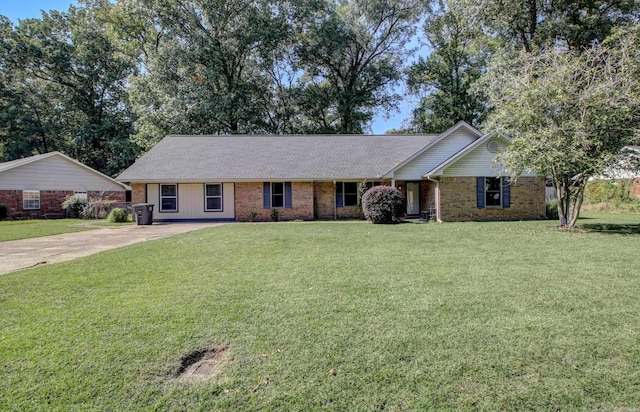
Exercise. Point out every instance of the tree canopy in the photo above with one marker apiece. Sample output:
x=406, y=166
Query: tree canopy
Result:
x=569, y=114
x=104, y=80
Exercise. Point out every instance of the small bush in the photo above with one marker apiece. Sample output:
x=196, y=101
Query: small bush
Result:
x=275, y=215
x=552, y=209
x=74, y=205
x=97, y=209
x=118, y=215
x=3, y=212
x=383, y=204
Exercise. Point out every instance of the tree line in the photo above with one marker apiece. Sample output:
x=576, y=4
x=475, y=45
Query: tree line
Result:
x=105, y=80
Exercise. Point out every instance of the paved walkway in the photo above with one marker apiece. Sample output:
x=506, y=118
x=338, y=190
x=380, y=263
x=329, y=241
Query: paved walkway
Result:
x=25, y=253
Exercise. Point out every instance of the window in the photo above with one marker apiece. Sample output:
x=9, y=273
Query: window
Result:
x=213, y=197
x=346, y=194
x=277, y=195
x=493, y=192
x=30, y=199
x=168, y=198
x=81, y=195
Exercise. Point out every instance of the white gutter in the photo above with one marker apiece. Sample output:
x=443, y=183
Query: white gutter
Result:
x=437, y=182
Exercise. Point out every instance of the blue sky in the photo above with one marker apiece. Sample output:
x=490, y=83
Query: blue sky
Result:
x=23, y=9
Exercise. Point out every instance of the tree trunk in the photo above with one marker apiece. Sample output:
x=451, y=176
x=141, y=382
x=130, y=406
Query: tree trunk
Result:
x=570, y=191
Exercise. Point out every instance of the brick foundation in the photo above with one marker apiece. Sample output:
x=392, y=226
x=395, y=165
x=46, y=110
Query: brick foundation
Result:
x=458, y=200
x=50, y=203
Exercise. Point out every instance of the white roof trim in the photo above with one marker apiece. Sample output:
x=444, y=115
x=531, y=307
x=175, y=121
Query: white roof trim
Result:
x=438, y=170
x=13, y=164
x=389, y=173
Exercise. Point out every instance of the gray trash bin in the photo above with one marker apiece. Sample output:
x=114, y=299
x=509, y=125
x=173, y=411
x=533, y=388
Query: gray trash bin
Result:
x=144, y=213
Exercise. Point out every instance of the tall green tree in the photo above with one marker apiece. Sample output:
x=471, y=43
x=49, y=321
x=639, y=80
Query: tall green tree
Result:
x=570, y=114
x=72, y=83
x=351, y=54
x=210, y=69
x=529, y=24
x=458, y=57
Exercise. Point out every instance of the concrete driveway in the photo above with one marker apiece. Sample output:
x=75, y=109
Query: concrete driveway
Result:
x=22, y=254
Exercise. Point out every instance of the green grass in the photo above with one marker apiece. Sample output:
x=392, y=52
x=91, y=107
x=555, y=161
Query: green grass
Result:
x=335, y=316
x=26, y=229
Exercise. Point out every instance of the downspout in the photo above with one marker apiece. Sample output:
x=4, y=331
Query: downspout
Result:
x=437, y=182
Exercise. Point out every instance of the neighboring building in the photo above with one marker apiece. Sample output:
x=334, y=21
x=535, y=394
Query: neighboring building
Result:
x=36, y=186
x=243, y=178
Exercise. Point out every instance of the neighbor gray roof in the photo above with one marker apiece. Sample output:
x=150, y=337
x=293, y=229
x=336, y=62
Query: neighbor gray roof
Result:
x=12, y=164
x=179, y=158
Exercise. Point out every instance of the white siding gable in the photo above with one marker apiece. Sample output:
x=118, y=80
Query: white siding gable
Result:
x=478, y=162
x=55, y=173
x=435, y=155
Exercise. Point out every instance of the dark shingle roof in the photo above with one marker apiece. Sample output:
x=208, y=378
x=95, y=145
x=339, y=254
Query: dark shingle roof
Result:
x=310, y=157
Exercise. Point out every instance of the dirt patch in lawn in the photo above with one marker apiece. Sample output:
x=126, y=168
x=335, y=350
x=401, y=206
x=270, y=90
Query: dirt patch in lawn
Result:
x=201, y=364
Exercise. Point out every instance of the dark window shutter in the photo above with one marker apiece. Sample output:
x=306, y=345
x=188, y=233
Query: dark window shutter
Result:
x=287, y=195
x=506, y=192
x=266, y=195
x=480, y=192
x=339, y=201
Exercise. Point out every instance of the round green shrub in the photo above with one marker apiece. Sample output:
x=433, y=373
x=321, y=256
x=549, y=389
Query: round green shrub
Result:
x=118, y=215
x=383, y=204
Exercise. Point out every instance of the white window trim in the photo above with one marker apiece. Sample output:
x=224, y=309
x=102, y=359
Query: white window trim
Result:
x=168, y=197
x=26, y=199
x=221, y=196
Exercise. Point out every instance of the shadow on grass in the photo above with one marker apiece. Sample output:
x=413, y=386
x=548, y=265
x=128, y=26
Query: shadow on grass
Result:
x=611, y=228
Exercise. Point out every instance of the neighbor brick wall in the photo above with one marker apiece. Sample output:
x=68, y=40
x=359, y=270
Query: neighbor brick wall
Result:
x=458, y=200
x=249, y=200
x=50, y=202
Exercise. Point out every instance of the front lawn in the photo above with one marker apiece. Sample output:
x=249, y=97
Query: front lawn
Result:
x=335, y=316
x=25, y=229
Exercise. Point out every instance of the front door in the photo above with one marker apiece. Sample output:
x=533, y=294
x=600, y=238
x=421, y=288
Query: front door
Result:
x=413, y=198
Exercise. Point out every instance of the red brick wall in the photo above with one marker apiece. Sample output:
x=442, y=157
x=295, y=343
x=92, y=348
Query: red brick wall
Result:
x=458, y=200
x=249, y=202
x=50, y=202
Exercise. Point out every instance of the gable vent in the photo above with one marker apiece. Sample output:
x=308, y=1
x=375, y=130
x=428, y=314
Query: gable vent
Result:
x=492, y=146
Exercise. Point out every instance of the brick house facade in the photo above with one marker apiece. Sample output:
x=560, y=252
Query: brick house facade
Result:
x=50, y=202
x=315, y=177
x=36, y=186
